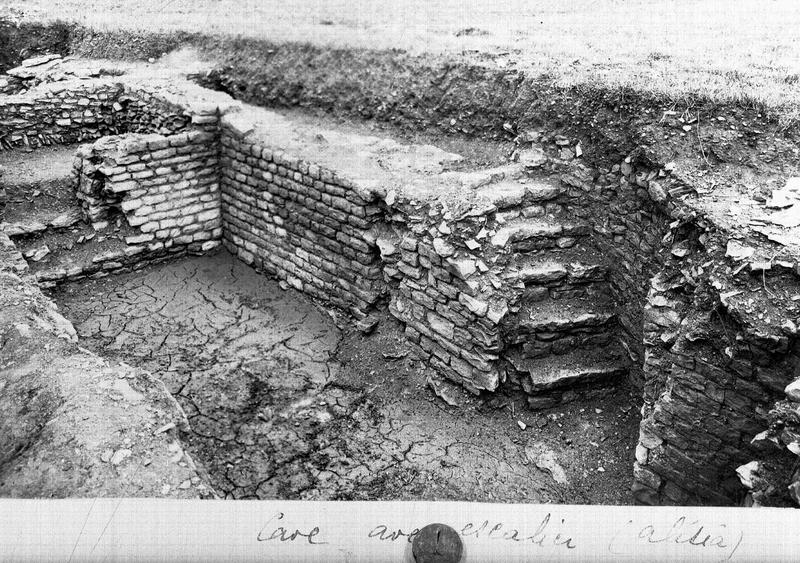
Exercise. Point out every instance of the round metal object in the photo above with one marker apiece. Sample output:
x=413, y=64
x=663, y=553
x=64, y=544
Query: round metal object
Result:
x=437, y=543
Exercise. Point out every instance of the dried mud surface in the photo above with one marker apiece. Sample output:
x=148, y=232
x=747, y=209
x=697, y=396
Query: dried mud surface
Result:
x=284, y=404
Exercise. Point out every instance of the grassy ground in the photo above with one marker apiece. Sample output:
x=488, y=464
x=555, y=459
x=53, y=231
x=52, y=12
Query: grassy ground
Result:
x=744, y=50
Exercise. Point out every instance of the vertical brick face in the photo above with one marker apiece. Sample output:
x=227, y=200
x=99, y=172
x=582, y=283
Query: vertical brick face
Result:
x=60, y=115
x=184, y=181
x=296, y=222
x=167, y=187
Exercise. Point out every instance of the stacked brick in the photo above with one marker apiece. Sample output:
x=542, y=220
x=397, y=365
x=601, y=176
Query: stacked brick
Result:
x=10, y=85
x=300, y=222
x=60, y=113
x=708, y=378
x=76, y=111
x=442, y=297
x=128, y=258
x=488, y=287
x=166, y=187
x=628, y=228
x=712, y=373
x=143, y=111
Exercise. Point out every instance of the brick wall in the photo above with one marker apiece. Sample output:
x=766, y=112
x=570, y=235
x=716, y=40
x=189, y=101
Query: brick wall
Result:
x=167, y=187
x=437, y=292
x=299, y=222
x=628, y=227
x=76, y=111
x=60, y=113
x=711, y=376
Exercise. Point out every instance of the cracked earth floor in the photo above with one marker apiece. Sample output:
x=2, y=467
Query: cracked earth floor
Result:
x=283, y=403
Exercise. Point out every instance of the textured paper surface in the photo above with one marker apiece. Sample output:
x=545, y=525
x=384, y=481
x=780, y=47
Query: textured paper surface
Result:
x=164, y=530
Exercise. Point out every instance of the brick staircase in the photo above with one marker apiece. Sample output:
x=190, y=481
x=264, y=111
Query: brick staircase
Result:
x=560, y=335
x=44, y=218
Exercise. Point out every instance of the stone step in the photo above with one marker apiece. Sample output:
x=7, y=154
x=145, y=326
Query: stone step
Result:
x=56, y=250
x=39, y=190
x=578, y=368
x=526, y=234
x=563, y=315
x=38, y=221
x=39, y=168
x=573, y=266
x=508, y=194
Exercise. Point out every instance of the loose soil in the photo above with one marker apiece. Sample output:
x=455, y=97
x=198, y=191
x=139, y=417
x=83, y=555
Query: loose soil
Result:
x=283, y=403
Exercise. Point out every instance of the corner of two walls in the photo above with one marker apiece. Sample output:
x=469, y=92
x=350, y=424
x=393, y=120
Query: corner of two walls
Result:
x=708, y=380
x=205, y=179
x=711, y=382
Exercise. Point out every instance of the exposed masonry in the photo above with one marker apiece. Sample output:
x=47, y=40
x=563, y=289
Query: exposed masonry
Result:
x=299, y=222
x=167, y=187
x=545, y=274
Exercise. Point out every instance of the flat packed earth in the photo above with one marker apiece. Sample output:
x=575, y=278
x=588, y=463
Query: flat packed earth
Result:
x=285, y=401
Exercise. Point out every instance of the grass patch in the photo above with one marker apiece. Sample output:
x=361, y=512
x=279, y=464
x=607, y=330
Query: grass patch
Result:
x=730, y=51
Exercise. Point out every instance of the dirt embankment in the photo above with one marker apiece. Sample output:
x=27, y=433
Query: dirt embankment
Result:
x=74, y=424
x=468, y=96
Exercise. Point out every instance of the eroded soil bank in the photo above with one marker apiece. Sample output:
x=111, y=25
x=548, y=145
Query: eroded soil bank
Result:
x=285, y=404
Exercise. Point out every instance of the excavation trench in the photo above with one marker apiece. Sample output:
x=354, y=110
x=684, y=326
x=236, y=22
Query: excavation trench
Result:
x=284, y=404
x=529, y=306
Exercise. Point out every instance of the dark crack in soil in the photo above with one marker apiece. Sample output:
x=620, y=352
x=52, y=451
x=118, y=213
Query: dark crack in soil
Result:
x=283, y=404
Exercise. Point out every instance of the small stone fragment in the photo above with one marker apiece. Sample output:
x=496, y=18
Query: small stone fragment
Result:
x=792, y=391
x=445, y=390
x=738, y=251
x=67, y=219
x=748, y=473
x=38, y=254
x=120, y=456
x=385, y=246
x=532, y=158
x=166, y=428
x=442, y=248
x=367, y=324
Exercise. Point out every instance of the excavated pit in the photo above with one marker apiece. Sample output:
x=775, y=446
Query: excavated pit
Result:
x=284, y=397
x=340, y=315
x=284, y=404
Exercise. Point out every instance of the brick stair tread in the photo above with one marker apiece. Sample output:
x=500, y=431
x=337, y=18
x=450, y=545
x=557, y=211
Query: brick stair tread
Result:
x=506, y=194
x=37, y=221
x=561, y=314
x=62, y=257
x=576, y=368
x=46, y=164
x=575, y=265
x=522, y=229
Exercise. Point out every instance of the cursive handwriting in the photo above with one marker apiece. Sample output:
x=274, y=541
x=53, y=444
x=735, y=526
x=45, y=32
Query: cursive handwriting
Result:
x=682, y=532
x=271, y=532
x=543, y=535
x=381, y=531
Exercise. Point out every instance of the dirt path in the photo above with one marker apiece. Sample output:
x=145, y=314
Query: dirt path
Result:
x=283, y=404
